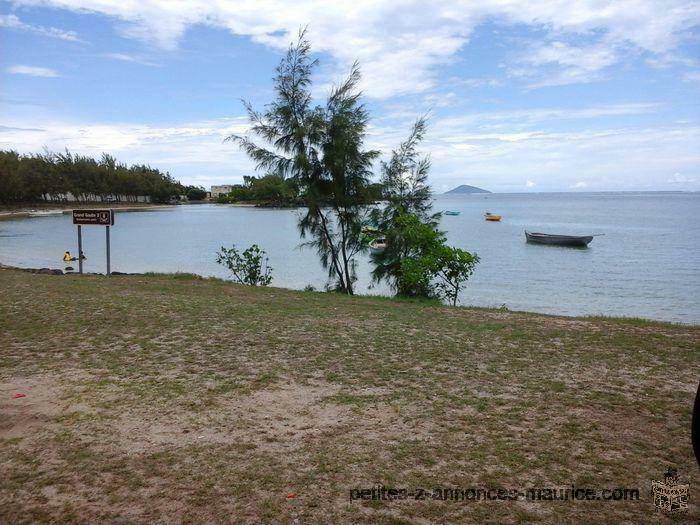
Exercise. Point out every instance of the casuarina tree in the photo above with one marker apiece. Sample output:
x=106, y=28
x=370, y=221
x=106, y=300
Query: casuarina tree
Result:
x=322, y=148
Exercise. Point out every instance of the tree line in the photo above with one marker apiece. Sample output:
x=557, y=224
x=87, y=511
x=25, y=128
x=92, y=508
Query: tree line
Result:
x=56, y=176
x=278, y=191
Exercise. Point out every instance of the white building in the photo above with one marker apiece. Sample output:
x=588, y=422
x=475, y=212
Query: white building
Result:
x=223, y=189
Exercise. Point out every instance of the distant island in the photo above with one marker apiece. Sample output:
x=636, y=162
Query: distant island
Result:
x=466, y=188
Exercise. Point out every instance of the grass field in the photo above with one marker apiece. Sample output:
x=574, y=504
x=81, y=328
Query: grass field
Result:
x=174, y=399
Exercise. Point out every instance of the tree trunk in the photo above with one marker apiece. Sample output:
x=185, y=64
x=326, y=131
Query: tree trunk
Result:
x=334, y=255
x=348, y=278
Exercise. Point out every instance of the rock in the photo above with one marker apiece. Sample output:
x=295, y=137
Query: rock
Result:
x=46, y=271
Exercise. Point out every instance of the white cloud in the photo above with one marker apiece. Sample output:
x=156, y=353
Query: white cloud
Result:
x=692, y=76
x=476, y=82
x=32, y=71
x=125, y=57
x=666, y=60
x=400, y=43
x=677, y=178
x=440, y=100
x=608, y=158
x=192, y=151
x=519, y=119
x=571, y=64
x=13, y=22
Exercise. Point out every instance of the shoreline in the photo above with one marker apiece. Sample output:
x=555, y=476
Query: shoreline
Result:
x=25, y=210
x=40, y=243
x=427, y=303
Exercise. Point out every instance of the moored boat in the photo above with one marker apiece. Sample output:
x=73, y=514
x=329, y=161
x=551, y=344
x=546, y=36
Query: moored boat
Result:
x=369, y=233
x=492, y=217
x=44, y=213
x=558, y=240
x=377, y=245
x=449, y=212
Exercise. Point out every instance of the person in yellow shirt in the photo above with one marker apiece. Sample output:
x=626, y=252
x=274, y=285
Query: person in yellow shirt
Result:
x=67, y=257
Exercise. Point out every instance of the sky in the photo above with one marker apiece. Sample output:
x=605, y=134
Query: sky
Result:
x=558, y=95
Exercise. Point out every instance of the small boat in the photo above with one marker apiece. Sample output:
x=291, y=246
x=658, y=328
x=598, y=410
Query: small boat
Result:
x=44, y=213
x=368, y=234
x=449, y=212
x=377, y=245
x=558, y=240
x=492, y=217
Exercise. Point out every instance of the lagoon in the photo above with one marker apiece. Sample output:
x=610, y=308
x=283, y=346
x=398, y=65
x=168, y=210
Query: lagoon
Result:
x=646, y=264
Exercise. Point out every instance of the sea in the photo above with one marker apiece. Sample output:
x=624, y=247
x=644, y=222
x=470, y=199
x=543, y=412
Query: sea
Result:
x=644, y=261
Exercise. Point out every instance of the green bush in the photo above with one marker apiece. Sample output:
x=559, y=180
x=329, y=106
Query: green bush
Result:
x=248, y=267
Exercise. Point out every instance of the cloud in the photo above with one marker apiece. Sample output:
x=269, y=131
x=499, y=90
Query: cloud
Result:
x=530, y=184
x=526, y=118
x=124, y=57
x=579, y=185
x=400, y=44
x=32, y=71
x=13, y=22
x=476, y=82
x=677, y=178
x=692, y=76
x=609, y=158
x=565, y=64
x=191, y=151
x=97, y=137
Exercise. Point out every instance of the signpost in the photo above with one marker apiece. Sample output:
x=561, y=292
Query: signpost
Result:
x=95, y=218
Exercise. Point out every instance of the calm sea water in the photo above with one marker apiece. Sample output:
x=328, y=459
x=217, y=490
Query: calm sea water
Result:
x=645, y=265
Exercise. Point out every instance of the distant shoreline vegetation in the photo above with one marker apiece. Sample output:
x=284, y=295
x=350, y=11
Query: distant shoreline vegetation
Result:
x=279, y=192
x=67, y=177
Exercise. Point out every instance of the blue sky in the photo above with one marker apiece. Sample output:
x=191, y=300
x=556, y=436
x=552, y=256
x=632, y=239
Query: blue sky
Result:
x=537, y=96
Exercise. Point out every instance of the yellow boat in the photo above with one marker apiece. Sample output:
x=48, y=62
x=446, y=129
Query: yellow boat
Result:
x=491, y=217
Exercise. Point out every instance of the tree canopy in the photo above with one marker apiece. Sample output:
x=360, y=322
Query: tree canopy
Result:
x=322, y=148
x=53, y=176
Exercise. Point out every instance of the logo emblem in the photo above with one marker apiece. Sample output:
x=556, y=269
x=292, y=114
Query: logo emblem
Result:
x=669, y=495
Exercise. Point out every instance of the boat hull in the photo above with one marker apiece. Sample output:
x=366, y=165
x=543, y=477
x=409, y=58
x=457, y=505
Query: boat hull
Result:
x=377, y=246
x=44, y=213
x=559, y=240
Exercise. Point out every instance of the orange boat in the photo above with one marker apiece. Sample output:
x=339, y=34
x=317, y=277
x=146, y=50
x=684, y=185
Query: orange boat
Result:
x=491, y=217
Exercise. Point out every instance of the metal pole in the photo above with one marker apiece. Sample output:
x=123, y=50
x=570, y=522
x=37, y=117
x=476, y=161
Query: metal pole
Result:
x=80, y=249
x=108, y=271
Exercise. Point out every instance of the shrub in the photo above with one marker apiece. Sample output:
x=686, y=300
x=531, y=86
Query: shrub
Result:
x=248, y=267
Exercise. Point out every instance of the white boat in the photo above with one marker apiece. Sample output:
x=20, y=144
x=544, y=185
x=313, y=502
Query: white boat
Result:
x=377, y=245
x=45, y=213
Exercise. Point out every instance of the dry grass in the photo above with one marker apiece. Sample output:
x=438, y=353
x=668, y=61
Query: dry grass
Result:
x=166, y=399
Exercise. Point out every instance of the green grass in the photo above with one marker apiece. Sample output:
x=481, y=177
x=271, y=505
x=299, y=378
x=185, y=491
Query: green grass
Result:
x=175, y=398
